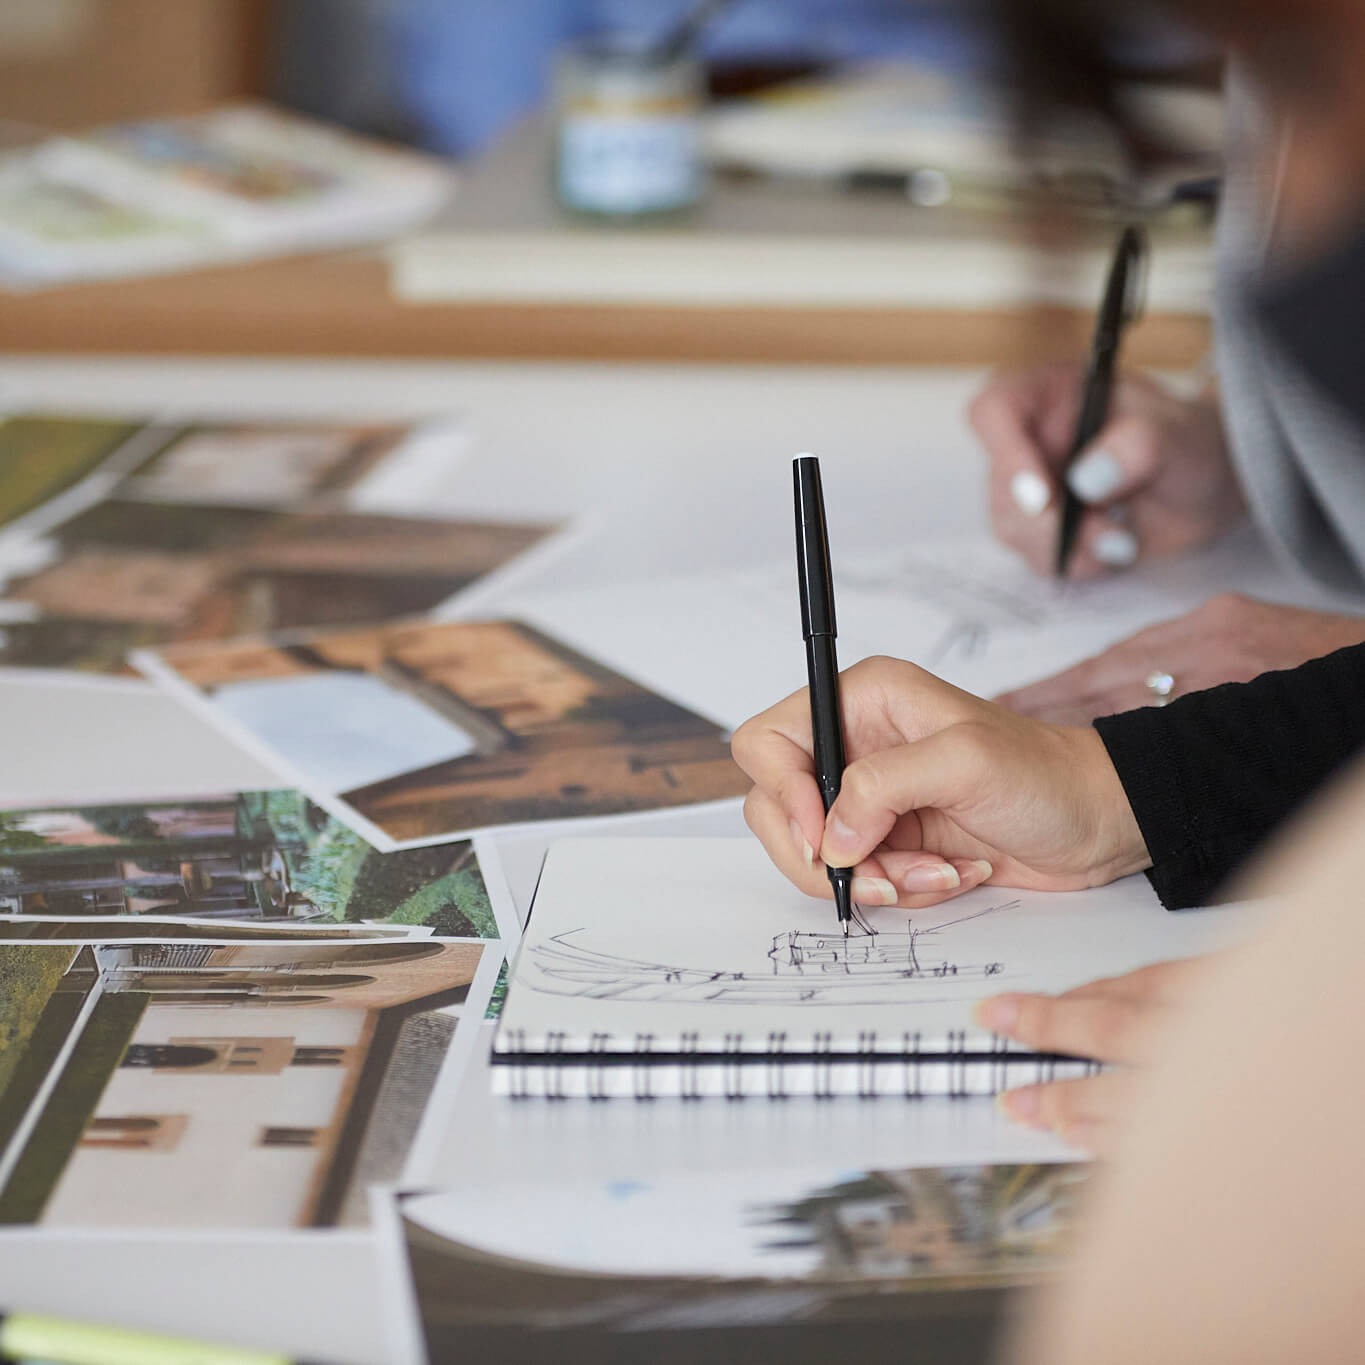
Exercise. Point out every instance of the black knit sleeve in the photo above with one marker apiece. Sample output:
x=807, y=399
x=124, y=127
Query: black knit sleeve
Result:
x=1214, y=774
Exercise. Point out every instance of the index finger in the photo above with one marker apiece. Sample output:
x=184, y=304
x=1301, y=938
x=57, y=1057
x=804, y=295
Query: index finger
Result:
x=1019, y=417
x=776, y=750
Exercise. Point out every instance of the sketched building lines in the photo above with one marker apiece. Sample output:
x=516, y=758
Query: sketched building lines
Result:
x=871, y=967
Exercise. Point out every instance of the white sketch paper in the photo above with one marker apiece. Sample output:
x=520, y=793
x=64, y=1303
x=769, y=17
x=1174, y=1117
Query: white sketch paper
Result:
x=969, y=610
x=703, y=940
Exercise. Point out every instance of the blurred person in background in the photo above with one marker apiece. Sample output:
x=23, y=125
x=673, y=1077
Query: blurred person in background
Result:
x=945, y=791
x=452, y=75
x=1169, y=474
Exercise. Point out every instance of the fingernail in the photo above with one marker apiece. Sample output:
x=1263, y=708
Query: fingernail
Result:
x=984, y=868
x=1116, y=548
x=1030, y=492
x=840, y=845
x=931, y=877
x=807, y=852
x=874, y=891
x=998, y=1014
x=1022, y=1105
x=1095, y=476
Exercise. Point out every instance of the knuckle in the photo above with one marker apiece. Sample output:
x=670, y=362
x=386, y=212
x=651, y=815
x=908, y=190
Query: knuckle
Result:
x=1060, y=1105
x=1109, y=1030
x=1227, y=606
x=1146, y=444
x=1037, y=1024
x=980, y=409
x=877, y=672
x=752, y=805
x=862, y=784
x=744, y=742
x=786, y=795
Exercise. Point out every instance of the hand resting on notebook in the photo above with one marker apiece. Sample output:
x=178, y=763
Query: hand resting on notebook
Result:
x=1157, y=480
x=1230, y=638
x=942, y=792
x=1115, y=1020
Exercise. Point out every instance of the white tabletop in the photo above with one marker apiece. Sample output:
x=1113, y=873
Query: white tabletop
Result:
x=677, y=470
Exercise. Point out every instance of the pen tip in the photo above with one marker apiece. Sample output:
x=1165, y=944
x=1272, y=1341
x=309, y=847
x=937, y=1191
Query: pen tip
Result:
x=841, y=879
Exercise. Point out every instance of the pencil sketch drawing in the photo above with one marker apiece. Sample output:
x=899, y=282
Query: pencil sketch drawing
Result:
x=869, y=967
x=979, y=597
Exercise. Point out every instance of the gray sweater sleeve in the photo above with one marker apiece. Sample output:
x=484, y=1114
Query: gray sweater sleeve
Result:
x=1299, y=457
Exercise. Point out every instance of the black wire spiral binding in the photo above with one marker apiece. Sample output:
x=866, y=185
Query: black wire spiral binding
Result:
x=554, y=1047
x=867, y=1065
x=734, y=1066
x=597, y=1071
x=689, y=1082
x=947, y=1067
x=777, y=1068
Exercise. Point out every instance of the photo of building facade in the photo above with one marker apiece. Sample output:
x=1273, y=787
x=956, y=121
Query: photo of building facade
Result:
x=935, y=1221
x=271, y=857
x=240, y=1085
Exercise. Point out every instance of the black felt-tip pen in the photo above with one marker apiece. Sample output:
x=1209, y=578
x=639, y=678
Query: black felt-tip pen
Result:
x=1119, y=307
x=822, y=665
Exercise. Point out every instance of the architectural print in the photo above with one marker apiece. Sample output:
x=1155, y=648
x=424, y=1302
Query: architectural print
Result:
x=200, y=1085
x=272, y=856
x=127, y=573
x=939, y=1221
x=538, y=730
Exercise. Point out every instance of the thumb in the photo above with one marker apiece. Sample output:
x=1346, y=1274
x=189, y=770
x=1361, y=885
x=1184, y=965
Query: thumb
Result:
x=1123, y=459
x=946, y=769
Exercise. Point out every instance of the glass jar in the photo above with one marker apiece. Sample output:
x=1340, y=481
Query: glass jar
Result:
x=629, y=139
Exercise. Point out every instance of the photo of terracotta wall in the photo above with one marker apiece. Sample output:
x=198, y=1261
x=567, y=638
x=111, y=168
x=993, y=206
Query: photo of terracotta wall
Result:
x=538, y=730
x=128, y=574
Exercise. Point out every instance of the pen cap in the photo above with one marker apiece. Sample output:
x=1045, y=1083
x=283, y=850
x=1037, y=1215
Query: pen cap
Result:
x=812, y=549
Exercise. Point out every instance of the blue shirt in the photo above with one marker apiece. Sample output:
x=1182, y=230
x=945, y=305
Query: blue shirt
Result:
x=468, y=68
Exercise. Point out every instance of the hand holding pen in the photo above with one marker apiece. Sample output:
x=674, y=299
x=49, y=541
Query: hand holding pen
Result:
x=1118, y=308
x=793, y=789
x=1157, y=479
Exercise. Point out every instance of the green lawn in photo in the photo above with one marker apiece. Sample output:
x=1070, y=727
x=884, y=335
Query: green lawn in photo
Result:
x=28, y=976
x=70, y=1106
x=440, y=886
x=35, y=1022
x=41, y=457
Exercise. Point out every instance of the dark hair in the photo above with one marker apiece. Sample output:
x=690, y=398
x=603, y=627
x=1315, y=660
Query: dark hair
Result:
x=1076, y=55
x=1062, y=57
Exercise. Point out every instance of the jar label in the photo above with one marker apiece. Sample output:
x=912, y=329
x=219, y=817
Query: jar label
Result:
x=629, y=165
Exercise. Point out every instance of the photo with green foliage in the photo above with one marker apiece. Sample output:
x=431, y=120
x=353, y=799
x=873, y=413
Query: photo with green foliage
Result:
x=272, y=856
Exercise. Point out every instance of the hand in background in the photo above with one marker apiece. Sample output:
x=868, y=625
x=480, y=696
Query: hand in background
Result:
x=1157, y=480
x=1113, y=1020
x=942, y=792
x=1229, y=639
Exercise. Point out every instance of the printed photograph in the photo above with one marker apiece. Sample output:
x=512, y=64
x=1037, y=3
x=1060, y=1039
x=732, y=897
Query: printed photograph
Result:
x=126, y=574
x=43, y=456
x=866, y=1255
x=263, y=464
x=272, y=857
x=196, y=153
x=199, y=1085
x=943, y=1224
x=135, y=929
x=426, y=730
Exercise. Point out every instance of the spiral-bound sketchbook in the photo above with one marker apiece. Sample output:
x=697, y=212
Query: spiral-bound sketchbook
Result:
x=690, y=967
